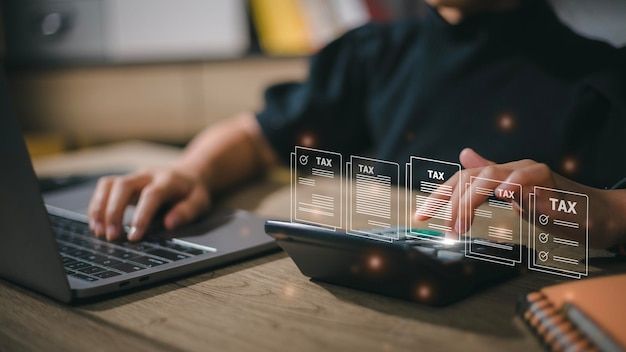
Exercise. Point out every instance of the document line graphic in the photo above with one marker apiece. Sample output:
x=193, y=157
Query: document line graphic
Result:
x=322, y=173
x=316, y=187
x=494, y=245
x=374, y=203
x=433, y=188
x=559, y=232
x=566, y=223
x=306, y=181
x=428, y=195
x=566, y=242
x=320, y=204
x=440, y=209
x=501, y=233
x=371, y=192
x=483, y=213
x=502, y=242
x=500, y=204
x=484, y=191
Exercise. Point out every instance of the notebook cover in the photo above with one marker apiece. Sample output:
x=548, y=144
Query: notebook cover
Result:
x=601, y=301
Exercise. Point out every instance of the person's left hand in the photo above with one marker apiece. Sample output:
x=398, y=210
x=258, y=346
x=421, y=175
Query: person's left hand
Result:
x=527, y=173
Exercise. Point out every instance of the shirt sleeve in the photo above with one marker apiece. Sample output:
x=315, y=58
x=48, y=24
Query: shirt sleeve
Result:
x=327, y=110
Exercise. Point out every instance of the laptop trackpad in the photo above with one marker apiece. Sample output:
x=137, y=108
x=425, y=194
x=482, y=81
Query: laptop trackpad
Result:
x=225, y=230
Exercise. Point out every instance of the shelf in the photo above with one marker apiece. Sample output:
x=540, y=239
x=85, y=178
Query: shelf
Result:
x=164, y=102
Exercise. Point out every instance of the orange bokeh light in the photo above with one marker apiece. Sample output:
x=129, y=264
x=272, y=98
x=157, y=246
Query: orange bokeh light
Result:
x=506, y=122
x=307, y=139
x=374, y=262
x=570, y=165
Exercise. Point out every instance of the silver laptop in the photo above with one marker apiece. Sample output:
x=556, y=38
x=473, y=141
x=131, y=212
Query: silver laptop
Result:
x=48, y=247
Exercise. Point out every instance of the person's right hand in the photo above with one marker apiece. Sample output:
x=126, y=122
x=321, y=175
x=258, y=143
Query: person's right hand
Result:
x=186, y=194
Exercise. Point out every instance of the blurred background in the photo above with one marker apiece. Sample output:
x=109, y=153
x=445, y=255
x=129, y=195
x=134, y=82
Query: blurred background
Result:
x=86, y=72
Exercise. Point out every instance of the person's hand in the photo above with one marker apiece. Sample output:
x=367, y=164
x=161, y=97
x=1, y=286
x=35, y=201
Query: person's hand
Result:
x=527, y=173
x=185, y=194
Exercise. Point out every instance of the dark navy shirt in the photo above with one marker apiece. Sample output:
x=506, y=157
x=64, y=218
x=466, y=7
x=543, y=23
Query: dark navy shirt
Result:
x=515, y=85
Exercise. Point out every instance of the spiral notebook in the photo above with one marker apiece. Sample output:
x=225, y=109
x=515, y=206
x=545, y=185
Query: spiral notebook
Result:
x=582, y=315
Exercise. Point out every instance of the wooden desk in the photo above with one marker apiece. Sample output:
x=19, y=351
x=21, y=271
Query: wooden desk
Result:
x=262, y=304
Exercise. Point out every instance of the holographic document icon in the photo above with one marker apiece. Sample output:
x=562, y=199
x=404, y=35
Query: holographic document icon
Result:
x=316, y=187
x=559, y=232
x=374, y=202
x=496, y=231
x=428, y=194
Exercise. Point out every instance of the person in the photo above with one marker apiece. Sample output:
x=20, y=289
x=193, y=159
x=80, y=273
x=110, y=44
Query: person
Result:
x=504, y=83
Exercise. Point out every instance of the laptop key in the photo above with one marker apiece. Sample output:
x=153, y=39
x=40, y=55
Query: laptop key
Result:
x=106, y=274
x=62, y=236
x=82, y=276
x=94, y=246
x=107, y=261
x=79, y=253
x=159, y=252
x=91, y=269
x=139, y=247
x=69, y=237
x=76, y=265
x=121, y=254
x=63, y=249
x=126, y=267
x=148, y=261
x=67, y=260
x=95, y=258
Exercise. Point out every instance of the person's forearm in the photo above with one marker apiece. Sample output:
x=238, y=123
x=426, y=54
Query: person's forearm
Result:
x=228, y=152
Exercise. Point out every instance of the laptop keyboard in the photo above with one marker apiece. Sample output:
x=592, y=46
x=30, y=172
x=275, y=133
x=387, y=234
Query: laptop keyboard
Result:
x=88, y=258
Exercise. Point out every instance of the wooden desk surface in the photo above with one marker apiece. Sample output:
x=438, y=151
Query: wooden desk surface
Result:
x=262, y=304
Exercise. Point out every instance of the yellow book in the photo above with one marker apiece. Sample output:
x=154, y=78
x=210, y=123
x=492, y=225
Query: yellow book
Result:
x=281, y=26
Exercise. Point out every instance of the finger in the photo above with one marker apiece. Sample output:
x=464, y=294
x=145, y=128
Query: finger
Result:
x=470, y=159
x=187, y=210
x=456, y=206
x=494, y=172
x=436, y=199
x=535, y=174
x=478, y=193
x=457, y=183
x=151, y=199
x=447, y=196
x=97, y=205
x=495, y=175
x=122, y=190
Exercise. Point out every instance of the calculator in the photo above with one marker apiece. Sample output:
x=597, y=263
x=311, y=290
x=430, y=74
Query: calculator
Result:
x=421, y=270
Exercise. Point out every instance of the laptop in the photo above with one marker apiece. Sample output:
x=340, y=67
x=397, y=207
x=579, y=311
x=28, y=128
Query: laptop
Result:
x=49, y=248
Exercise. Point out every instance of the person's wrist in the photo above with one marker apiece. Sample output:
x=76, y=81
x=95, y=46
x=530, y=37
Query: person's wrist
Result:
x=193, y=170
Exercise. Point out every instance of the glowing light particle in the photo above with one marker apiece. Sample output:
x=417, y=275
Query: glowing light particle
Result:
x=570, y=165
x=506, y=122
x=424, y=291
x=307, y=139
x=374, y=262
